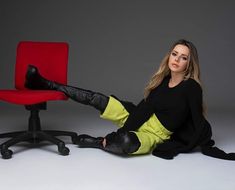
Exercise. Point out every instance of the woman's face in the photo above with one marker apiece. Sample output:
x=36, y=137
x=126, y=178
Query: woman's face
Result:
x=179, y=58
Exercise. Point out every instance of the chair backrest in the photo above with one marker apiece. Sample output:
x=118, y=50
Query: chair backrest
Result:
x=51, y=58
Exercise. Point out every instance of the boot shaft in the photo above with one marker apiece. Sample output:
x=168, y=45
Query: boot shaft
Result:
x=35, y=81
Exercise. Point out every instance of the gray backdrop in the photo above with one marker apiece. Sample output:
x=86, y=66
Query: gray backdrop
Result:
x=116, y=45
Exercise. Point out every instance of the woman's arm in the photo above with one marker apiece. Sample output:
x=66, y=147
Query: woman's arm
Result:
x=142, y=113
x=194, y=98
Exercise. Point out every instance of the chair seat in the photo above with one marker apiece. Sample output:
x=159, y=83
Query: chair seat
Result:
x=29, y=97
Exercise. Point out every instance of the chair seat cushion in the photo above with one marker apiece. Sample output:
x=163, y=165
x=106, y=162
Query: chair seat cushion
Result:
x=29, y=97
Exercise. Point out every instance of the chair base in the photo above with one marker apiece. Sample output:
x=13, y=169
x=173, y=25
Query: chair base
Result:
x=34, y=134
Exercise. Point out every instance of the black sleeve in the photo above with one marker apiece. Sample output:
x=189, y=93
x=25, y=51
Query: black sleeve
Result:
x=141, y=114
x=194, y=98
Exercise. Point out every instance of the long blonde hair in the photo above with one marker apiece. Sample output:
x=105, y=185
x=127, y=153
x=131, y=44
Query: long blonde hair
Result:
x=192, y=70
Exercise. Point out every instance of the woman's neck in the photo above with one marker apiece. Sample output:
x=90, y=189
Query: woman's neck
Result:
x=175, y=79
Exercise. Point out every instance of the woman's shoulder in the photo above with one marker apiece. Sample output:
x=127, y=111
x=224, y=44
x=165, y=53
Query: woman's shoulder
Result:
x=193, y=85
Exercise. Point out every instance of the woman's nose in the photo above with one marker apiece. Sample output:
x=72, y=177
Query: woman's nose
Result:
x=177, y=58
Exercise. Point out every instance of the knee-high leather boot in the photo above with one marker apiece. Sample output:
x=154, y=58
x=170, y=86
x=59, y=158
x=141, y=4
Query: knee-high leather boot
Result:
x=118, y=143
x=35, y=81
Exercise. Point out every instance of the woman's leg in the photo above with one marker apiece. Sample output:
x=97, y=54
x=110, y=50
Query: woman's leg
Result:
x=35, y=81
x=118, y=143
x=123, y=143
x=142, y=141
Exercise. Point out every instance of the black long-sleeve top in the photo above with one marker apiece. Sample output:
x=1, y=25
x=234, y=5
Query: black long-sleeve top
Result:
x=179, y=109
x=171, y=105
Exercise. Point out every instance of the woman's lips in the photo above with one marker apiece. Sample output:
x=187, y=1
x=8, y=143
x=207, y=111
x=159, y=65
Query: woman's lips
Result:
x=175, y=65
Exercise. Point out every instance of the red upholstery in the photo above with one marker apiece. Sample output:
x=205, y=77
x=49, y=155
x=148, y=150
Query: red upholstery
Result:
x=29, y=97
x=51, y=58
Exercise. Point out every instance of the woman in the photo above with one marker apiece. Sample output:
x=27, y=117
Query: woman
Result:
x=169, y=120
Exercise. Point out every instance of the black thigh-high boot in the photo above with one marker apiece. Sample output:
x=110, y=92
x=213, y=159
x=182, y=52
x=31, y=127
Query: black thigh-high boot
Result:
x=118, y=143
x=35, y=81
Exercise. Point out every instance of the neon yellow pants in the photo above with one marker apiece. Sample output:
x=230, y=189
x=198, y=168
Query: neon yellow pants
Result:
x=151, y=133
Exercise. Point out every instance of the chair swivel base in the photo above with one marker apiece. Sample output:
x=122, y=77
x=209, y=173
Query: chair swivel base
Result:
x=34, y=135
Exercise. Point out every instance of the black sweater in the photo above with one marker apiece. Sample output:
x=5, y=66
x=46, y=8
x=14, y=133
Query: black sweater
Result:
x=171, y=105
x=179, y=109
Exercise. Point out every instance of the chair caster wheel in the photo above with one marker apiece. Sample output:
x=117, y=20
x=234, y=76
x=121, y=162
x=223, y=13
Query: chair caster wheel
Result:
x=64, y=151
x=6, y=154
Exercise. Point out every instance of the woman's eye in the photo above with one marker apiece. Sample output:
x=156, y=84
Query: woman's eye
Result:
x=174, y=54
x=184, y=58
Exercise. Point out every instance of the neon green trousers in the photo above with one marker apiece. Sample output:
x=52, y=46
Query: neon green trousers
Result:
x=150, y=134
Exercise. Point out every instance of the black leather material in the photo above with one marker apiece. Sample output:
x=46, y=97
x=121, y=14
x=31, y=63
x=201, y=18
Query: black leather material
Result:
x=35, y=81
x=117, y=143
x=87, y=97
x=86, y=141
x=122, y=143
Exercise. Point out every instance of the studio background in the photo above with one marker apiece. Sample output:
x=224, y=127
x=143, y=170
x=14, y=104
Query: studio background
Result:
x=115, y=46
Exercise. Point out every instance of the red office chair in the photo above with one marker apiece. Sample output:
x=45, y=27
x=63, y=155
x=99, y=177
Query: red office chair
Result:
x=51, y=58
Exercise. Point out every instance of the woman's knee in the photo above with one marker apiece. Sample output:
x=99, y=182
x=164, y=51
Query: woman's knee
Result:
x=127, y=142
x=130, y=142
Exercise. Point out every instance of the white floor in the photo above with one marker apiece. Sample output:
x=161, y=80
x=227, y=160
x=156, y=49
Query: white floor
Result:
x=41, y=168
